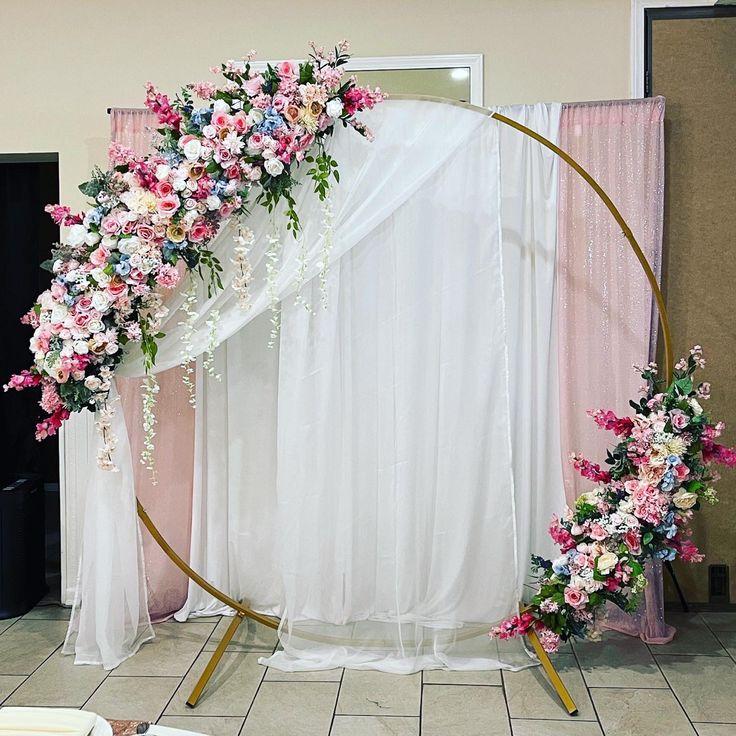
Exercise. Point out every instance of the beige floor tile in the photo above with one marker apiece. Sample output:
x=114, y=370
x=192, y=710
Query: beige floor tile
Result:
x=51, y=612
x=368, y=693
x=530, y=727
x=132, y=698
x=728, y=640
x=692, y=637
x=477, y=677
x=59, y=682
x=8, y=683
x=464, y=710
x=6, y=623
x=720, y=621
x=170, y=654
x=618, y=661
x=625, y=712
x=250, y=637
x=530, y=694
x=293, y=708
x=715, y=729
x=231, y=690
x=273, y=675
x=375, y=726
x=209, y=725
x=25, y=645
x=706, y=686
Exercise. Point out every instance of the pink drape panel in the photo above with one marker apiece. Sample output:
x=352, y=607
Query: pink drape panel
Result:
x=169, y=503
x=606, y=315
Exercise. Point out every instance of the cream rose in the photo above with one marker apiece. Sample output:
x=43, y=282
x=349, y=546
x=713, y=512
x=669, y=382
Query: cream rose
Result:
x=606, y=562
x=684, y=499
x=100, y=301
x=273, y=166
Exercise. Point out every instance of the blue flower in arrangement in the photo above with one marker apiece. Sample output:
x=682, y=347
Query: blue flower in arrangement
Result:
x=560, y=567
x=93, y=216
x=271, y=121
x=673, y=460
x=123, y=268
x=219, y=187
x=201, y=117
x=667, y=555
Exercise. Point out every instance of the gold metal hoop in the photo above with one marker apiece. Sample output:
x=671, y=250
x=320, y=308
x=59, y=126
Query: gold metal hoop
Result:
x=242, y=610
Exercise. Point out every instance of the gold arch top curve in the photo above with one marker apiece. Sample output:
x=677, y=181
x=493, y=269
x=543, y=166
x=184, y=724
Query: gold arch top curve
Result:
x=243, y=610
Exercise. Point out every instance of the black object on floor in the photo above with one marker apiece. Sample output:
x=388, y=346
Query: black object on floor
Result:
x=22, y=545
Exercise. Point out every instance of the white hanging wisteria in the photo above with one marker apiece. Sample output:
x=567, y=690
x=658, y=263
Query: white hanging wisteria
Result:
x=150, y=390
x=327, y=243
x=299, y=299
x=273, y=255
x=244, y=241
x=209, y=357
x=187, y=340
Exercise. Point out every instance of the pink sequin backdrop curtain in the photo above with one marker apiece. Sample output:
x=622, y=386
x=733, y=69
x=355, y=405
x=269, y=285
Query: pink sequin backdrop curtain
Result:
x=170, y=501
x=607, y=320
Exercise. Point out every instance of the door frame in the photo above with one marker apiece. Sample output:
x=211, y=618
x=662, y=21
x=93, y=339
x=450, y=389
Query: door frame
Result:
x=641, y=28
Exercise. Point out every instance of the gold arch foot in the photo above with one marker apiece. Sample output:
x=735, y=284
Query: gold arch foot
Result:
x=553, y=674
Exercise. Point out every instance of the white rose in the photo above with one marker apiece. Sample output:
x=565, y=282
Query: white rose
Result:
x=606, y=562
x=162, y=172
x=92, y=238
x=254, y=117
x=695, y=406
x=192, y=149
x=684, y=499
x=75, y=235
x=81, y=347
x=273, y=166
x=100, y=301
x=58, y=313
x=92, y=383
x=220, y=106
x=209, y=131
x=213, y=202
x=179, y=185
x=334, y=108
x=95, y=326
x=100, y=277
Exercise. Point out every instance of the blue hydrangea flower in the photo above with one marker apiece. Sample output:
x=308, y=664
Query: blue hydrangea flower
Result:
x=271, y=121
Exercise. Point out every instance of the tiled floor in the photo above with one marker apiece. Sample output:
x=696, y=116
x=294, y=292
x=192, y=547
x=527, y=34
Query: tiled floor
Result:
x=622, y=687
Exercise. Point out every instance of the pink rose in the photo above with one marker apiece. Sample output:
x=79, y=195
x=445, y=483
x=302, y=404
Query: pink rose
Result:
x=287, y=70
x=225, y=156
x=575, y=598
x=256, y=141
x=597, y=532
x=81, y=320
x=164, y=188
x=109, y=225
x=221, y=120
x=168, y=205
x=253, y=85
x=84, y=304
x=681, y=470
x=198, y=231
x=280, y=102
x=117, y=288
x=633, y=541
x=233, y=172
x=128, y=227
x=145, y=232
x=99, y=256
x=679, y=419
x=226, y=209
x=240, y=122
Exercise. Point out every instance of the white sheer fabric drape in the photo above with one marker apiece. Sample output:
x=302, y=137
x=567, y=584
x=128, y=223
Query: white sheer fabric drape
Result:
x=359, y=478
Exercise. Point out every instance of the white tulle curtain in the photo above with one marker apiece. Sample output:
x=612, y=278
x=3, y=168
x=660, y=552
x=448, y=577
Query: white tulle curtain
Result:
x=361, y=479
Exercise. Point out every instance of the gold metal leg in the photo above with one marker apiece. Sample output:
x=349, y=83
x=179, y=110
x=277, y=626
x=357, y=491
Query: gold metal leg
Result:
x=553, y=675
x=214, y=660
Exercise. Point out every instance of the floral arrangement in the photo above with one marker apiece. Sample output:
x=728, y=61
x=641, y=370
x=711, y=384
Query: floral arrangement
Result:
x=659, y=474
x=152, y=219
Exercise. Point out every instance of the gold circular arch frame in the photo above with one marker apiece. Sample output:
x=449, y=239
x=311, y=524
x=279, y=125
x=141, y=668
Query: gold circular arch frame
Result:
x=243, y=611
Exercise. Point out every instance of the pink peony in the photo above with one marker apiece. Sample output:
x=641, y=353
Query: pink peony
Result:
x=167, y=276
